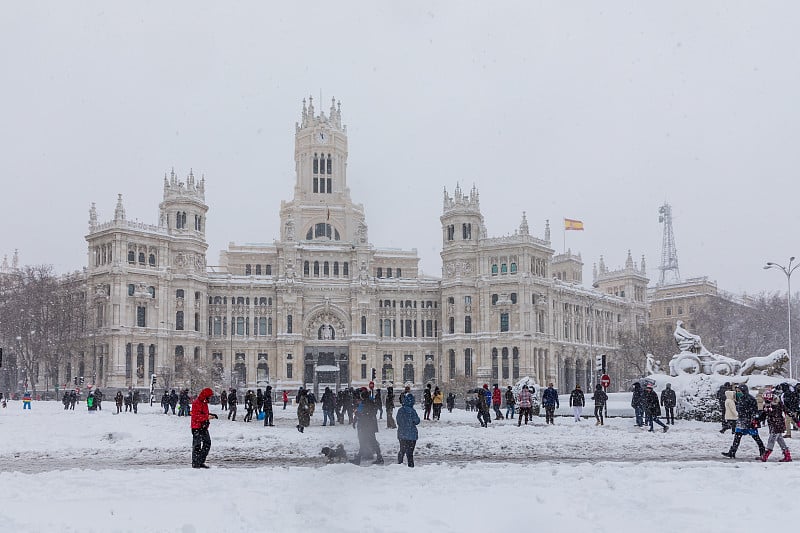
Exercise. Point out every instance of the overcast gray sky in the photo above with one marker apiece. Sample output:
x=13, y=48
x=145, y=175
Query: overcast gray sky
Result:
x=598, y=111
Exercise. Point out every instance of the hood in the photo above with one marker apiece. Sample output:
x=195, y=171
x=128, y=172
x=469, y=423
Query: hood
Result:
x=744, y=389
x=729, y=394
x=636, y=386
x=205, y=394
x=408, y=400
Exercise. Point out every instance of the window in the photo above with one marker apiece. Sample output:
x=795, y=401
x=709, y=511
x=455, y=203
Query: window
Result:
x=467, y=300
x=515, y=363
x=288, y=370
x=152, y=260
x=513, y=297
x=680, y=310
x=451, y=325
x=505, y=363
x=326, y=269
x=288, y=323
x=141, y=316
x=494, y=269
x=346, y=269
x=669, y=311
x=399, y=273
x=495, y=373
x=468, y=362
x=466, y=231
x=268, y=270
x=305, y=268
x=179, y=293
x=197, y=321
x=363, y=371
x=387, y=328
x=151, y=291
x=503, y=322
x=503, y=268
x=363, y=325
x=380, y=272
x=451, y=230
x=179, y=320
x=248, y=269
x=316, y=268
x=131, y=256
x=494, y=299
x=467, y=324
x=336, y=268
x=513, y=268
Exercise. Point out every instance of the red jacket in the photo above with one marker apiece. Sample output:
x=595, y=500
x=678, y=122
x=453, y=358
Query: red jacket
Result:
x=285, y=396
x=200, y=409
x=497, y=397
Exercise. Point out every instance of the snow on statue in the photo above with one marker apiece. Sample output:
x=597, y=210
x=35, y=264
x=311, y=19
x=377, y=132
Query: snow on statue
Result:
x=770, y=364
x=696, y=359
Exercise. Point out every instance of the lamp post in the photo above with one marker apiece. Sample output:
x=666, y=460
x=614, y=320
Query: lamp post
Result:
x=787, y=270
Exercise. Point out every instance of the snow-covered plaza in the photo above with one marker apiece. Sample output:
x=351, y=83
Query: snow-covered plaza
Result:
x=75, y=471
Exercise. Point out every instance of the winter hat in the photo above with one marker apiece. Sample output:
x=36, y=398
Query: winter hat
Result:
x=485, y=385
x=768, y=396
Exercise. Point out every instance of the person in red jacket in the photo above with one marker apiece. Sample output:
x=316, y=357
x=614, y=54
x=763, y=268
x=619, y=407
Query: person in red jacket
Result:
x=201, y=440
x=497, y=400
x=285, y=399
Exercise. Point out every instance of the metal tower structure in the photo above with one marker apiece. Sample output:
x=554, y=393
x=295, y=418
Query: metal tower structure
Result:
x=669, y=253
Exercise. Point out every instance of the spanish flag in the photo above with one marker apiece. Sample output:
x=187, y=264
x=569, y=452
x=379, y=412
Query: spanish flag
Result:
x=570, y=224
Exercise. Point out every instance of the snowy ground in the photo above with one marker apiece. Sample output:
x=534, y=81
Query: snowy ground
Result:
x=75, y=471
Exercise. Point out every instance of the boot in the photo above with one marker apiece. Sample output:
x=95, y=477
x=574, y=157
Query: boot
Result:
x=731, y=455
x=378, y=461
x=787, y=456
x=766, y=456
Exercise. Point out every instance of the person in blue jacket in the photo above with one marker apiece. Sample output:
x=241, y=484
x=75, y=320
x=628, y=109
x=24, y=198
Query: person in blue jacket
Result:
x=550, y=403
x=407, y=421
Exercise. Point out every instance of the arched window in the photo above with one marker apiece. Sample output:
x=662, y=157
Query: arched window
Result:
x=131, y=256
x=494, y=364
x=178, y=359
x=346, y=269
x=363, y=325
x=330, y=167
x=515, y=363
x=179, y=320
x=141, y=258
x=326, y=269
x=494, y=269
x=248, y=269
x=131, y=289
x=468, y=362
x=197, y=321
x=513, y=268
x=388, y=272
x=288, y=323
x=258, y=270
x=151, y=291
x=316, y=164
x=316, y=268
x=151, y=360
x=503, y=268
x=152, y=260
x=399, y=273
x=139, y=361
x=467, y=324
x=505, y=363
x=305, y=268
x=408, y=373
x=310, y=233
x=336, y=268
x=268, y=271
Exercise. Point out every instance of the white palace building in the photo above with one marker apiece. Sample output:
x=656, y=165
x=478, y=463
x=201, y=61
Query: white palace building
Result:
x=323, y=305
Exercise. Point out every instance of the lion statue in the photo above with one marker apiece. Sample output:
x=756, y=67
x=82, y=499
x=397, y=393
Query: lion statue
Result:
x=769, y=364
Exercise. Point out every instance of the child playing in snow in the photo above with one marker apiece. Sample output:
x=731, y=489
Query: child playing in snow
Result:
x=774, y=410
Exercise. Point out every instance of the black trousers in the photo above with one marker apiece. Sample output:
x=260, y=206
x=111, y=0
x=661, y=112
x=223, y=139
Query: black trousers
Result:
x=737, y=438
x=407, y=450
x=598, y=413
x=527, y=412
x=368, y=445
x=201, y=444
x=669, y=414
x=484, y=417
x=268, y=417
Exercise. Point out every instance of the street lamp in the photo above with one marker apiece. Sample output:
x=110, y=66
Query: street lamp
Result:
x=787, y=270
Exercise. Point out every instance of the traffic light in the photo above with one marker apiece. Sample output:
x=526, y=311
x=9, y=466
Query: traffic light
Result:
x=374, y=373
x=598, y=363
x=153, y=380
x=81, y=380
x=1, y=358
x=75, y=381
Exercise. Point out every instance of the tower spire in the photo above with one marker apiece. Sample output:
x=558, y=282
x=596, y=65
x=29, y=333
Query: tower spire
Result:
x=669, y=253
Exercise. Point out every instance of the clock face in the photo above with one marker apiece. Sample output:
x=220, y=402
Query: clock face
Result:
x=322, y=138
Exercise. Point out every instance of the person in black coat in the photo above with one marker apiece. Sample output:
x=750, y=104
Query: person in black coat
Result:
x=577, y=400
x=173, y=400
x=367, y=425
x=165, y=402
x=668, y=400
x=223, y=400
x=232, y=404
x=652, y=408
x=451, y=402
x=746, y=424
x=390, y=422
x=600, y=398
x=267, y=407
x=328, y=405
x=637, y=402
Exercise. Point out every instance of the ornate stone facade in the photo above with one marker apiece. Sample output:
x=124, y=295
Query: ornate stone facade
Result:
x=322, y=305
